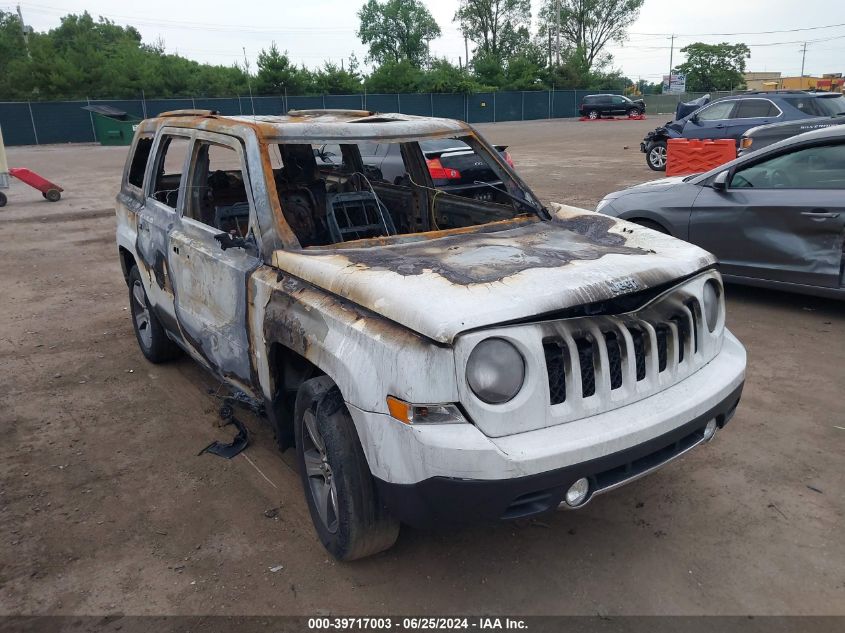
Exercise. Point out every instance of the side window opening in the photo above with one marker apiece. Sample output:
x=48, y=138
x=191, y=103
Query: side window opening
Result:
x=169, y=166
x=817, y=167
x=217, y=195
x=139, y=161
x=332, y=193
x=717, y=111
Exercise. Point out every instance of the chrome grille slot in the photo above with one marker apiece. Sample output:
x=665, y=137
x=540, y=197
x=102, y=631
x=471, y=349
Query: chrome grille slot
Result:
x=555, y=352
x=661, y=332
x=586, y=364
x=639, y=338
x=614, y=358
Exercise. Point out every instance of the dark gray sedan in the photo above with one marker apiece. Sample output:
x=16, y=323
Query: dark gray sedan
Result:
x=774, y=218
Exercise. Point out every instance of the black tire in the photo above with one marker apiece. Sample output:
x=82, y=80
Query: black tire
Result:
x=53, y=195
x=593, y=114
x=358, y=524
x=651, y=224
x=655, y=156
x=633, y=112
x=3, y=199
x=152, y=339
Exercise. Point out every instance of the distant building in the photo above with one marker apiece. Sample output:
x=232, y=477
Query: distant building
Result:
x=762, y=81
x=830, y=82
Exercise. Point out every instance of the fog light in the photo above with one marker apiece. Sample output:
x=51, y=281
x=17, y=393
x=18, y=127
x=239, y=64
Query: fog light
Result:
x=710, y=430
x=577, y=493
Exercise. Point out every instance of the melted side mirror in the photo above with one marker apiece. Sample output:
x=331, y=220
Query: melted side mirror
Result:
x=720, y=182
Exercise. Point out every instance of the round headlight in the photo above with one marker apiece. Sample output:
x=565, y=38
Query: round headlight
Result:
x=495, y=371
x=712, y=291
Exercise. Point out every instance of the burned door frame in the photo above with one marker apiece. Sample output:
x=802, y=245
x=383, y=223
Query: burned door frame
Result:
x=155, y=222
x=211, y=300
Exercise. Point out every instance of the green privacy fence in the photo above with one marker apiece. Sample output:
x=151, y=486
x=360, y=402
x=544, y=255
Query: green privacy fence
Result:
x=43, y=122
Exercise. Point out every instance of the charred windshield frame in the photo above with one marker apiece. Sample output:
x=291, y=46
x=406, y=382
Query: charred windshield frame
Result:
x=331, y=201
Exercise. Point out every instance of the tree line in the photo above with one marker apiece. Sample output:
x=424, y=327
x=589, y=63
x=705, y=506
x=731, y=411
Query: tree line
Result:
x=97, y=58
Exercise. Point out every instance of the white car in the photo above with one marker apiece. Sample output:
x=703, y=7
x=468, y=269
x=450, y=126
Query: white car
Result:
x=435, y=359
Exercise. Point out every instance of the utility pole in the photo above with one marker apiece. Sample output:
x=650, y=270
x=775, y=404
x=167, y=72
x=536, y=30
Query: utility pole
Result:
x=557, y=29
x=466, y=51
x=24, y=32
x=550, y=48
x=803, y=57
x=671, y=54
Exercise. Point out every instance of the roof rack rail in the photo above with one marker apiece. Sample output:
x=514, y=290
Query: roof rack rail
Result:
x=777, y=92
x=321, y=111
x=189, y=112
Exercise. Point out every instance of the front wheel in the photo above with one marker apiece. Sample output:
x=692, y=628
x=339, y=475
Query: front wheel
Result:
x=3, y=199
x=633, y=113
x=347, y=512
x=655, y=156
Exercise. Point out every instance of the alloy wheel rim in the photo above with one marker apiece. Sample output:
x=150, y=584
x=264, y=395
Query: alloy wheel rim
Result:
x=141, y=314
x=321, y=481
x=658, y=156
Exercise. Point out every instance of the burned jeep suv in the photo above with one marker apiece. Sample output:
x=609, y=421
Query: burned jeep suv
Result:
x=433, y=358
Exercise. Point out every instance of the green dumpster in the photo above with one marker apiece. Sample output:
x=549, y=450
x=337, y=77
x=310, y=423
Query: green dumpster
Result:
x=112, y=126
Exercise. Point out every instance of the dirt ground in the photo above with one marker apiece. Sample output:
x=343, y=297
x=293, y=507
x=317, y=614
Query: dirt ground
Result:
x=105, y=506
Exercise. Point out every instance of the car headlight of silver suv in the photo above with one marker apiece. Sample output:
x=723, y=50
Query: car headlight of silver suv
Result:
x=712, y=303
x=495, y=371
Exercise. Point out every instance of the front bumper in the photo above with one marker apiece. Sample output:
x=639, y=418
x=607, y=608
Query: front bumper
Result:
x=445, y=502
x=454, y=474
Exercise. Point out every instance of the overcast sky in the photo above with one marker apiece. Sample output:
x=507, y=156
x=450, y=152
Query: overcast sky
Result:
x=215, y=31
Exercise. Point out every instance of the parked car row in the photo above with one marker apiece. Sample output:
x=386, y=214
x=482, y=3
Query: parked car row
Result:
x=731, y=117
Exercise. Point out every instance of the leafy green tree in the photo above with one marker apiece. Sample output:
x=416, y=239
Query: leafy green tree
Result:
x=443, y=76
x=498, y=28
x=397, y=30
x=587, y=26
x=401, y=76
x=711, y=67
x=277, y=75
x=15, y=74
x=332, y=79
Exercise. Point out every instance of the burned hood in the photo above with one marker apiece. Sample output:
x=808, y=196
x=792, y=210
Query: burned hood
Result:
x=441, y=287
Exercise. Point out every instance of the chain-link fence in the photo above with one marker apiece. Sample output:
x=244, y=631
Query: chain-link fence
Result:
x=42, y=122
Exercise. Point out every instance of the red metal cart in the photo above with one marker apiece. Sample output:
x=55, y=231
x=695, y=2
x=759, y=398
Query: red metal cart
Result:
x=50, y=190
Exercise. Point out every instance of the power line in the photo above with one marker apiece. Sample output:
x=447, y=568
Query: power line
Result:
x=807, y=28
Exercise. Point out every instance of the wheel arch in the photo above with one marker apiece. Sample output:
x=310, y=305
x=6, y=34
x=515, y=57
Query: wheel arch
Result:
x=127, y=261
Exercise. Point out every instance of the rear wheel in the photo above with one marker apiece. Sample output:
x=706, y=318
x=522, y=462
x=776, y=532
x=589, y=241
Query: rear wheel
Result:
x=348, y=514
x=152, y=339
x=593, y=115
x=53, y=195
x=3, y=199
x=655, y=156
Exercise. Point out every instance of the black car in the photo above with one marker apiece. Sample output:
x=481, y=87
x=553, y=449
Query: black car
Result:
x=453, y=165
x=594, y=106
x=764, y=135
x=731, y=117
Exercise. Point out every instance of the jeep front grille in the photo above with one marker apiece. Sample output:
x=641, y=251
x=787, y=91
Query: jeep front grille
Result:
x=603, y=358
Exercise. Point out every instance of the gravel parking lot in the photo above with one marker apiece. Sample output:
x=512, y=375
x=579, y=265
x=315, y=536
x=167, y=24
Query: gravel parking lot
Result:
x=105, y=506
